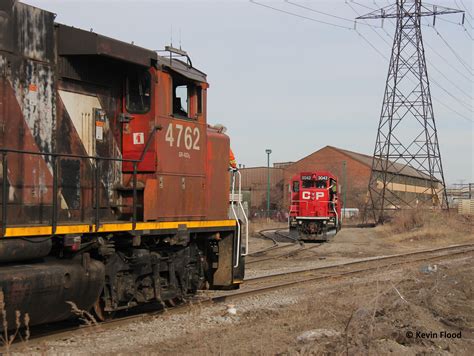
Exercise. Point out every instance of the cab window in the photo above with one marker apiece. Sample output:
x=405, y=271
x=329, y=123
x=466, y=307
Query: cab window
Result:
x=320, y=184
x=296, y=186
x=181, y=101
x=138, y=90
x=187, y=99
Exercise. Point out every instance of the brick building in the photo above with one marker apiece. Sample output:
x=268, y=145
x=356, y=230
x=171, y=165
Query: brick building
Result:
x=358, y=169
x=329, y=158
x=254, y=185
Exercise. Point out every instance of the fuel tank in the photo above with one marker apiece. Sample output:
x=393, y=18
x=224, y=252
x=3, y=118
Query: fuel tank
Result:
x=43, y=289
x=14, y=250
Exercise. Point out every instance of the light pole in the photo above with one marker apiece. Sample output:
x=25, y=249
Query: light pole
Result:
x=268, y=152
x=344, y=182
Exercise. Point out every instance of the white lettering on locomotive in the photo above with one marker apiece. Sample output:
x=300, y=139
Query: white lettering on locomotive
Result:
x=190, y=140
x=319, y=195
x=306, y=195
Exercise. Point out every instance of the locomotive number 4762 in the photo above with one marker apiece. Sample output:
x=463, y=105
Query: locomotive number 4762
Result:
x=190, y=138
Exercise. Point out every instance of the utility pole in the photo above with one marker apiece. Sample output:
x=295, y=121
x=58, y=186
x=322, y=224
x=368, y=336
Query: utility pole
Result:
x=407, y=138
x=268, y=152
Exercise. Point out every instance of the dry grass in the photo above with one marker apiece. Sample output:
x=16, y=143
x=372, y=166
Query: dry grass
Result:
x=408, y=220
x=7, y=339
x=415, y=225
x=83, y=315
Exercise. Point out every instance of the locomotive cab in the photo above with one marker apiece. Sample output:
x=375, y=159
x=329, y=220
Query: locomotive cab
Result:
x=315, y=208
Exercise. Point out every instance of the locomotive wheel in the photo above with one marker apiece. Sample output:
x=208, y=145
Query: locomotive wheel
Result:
x=171, y=303
x=100, y=313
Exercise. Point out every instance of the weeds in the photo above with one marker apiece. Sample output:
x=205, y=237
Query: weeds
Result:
x=83, y=315
x=7, y=339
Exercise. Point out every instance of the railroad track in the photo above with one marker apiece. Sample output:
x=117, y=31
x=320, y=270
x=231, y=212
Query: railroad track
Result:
x=268, y=283
x=361, y=265
x=300, y=246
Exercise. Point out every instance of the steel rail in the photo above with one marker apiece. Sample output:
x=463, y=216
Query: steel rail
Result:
x=262, y=233
x=293, y=282
x=360, y=261
x=458, y=250
x=278, y=246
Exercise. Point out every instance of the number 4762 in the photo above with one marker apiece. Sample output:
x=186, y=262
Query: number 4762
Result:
x=190, y=136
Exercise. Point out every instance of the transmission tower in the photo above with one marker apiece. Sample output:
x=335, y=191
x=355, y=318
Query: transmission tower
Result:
x=406, y=148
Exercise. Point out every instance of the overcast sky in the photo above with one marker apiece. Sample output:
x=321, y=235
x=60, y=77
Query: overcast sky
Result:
x=292, y=84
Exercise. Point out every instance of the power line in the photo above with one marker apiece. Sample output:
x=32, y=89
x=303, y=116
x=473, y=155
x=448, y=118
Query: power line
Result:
x=469, y=107
x=433, y=81
x=433, y=66
x=371, y=45
x=365, y=39
x=449, y=80
x=457, y=23
x=362, y=5
x=450, y=108
x=464, y=7
x=378, y=34
x=448, y=62
x=468, y=34
x=300, y=16
x=325, y=13
x=454, y=52
x=466, y=11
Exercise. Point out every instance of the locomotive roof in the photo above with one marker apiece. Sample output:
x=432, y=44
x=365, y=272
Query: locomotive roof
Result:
x=74, y=41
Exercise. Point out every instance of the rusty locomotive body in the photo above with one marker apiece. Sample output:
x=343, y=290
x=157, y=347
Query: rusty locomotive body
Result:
x=114, y=189
x=315, y=206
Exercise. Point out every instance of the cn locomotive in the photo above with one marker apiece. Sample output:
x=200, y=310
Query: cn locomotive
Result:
x=114, y=189
x=315, y=208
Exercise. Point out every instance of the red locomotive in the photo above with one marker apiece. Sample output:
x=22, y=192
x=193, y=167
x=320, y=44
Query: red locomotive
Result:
x=315, y=208
x=114, y=189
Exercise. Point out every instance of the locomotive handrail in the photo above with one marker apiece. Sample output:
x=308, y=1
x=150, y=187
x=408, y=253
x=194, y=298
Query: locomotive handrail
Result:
x=244, y=215
x=237, y=257
x=54, y=165
x=70, y=155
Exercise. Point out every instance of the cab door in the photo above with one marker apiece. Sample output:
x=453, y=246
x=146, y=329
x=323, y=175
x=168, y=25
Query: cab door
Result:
x=138, y=121
x=181, y=147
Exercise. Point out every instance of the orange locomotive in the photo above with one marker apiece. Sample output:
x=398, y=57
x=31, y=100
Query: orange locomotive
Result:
x=315, y=208
x=114, y=189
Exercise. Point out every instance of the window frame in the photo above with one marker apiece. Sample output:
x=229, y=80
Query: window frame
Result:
x=127, y=91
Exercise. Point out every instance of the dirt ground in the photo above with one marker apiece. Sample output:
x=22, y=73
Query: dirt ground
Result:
x=415, y=309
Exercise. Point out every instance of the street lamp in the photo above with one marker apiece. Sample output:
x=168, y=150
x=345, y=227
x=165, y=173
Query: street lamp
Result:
x=268, y=152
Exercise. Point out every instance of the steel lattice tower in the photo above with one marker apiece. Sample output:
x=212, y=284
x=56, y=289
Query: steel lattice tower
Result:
x=407, y=139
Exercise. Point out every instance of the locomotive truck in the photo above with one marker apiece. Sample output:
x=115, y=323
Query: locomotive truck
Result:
x=114, y=189
x=315, y=208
